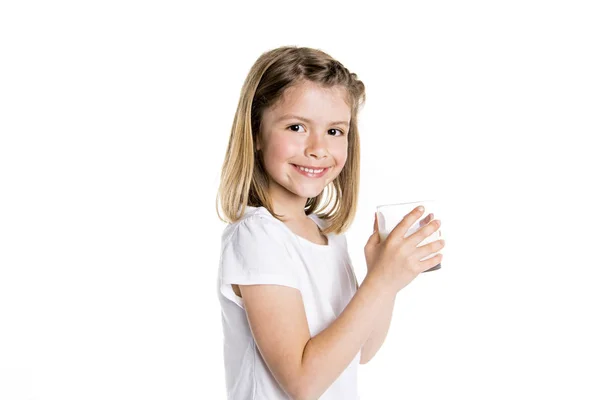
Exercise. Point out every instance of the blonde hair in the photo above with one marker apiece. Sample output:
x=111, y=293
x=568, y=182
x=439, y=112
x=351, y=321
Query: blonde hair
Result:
x=244, y=180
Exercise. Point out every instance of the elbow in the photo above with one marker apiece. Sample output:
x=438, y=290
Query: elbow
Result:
x=298, y=394
x=294, y=393
x=303, y=391
x=304, y=388
x=364, y=358
x=299, y=397
x=305, y=396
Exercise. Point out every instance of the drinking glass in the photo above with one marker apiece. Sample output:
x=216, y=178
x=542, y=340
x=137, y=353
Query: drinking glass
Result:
x=390, y=215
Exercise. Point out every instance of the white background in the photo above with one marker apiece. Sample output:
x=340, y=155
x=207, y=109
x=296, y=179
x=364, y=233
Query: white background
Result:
x=114, y=119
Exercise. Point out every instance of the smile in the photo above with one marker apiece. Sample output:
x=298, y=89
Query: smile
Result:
x=311, y=172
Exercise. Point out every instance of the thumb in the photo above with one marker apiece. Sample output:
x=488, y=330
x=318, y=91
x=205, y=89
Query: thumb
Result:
x=374, y=238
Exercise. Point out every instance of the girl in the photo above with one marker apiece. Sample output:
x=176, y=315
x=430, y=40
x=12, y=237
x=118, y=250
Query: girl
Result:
x=295, y=321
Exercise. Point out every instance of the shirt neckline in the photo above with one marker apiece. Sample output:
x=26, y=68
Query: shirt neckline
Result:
x=300, y=238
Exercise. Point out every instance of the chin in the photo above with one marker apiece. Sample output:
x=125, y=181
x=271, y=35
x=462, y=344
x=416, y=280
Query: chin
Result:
x=309, y=192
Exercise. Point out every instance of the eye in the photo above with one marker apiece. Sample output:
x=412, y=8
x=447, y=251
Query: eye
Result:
x=295, y=127
x=339, y=130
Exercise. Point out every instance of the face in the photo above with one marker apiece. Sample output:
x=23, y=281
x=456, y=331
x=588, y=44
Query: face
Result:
x=308, y=127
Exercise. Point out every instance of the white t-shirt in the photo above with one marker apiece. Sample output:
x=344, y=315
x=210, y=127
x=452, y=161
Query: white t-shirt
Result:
x=260, y=249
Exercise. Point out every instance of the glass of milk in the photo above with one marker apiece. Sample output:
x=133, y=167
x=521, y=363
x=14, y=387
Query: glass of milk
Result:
x=390, y=215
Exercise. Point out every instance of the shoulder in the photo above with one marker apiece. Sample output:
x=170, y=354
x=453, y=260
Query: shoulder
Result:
x=256, y=245
x=254, y=251
x=257, y=225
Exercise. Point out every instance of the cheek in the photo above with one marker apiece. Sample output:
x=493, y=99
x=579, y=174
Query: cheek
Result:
x=280, y=151
x=341, y=155
x=284, y=149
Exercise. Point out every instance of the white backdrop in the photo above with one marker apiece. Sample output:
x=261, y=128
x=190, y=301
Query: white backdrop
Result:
x=114, y=118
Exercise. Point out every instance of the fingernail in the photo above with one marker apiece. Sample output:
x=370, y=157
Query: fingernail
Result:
x=421, y=208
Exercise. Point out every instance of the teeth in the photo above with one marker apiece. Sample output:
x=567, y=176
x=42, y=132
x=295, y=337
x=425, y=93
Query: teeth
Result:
x=312, y=171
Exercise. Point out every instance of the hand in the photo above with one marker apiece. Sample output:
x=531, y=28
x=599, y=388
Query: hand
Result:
x=397, y=259
x=374, y=240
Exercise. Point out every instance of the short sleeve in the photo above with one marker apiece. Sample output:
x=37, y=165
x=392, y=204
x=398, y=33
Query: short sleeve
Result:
x=256, y=253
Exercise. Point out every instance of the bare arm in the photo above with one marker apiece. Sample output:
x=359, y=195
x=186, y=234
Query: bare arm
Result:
x=327, y=354
x=303, y=366
x=379, y=332
x=384, y=317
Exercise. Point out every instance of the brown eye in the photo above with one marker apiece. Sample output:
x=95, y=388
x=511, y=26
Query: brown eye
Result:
x=341, y=133
x=295, y=127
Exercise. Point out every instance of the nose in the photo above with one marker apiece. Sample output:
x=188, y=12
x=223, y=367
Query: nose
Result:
x=316, y=147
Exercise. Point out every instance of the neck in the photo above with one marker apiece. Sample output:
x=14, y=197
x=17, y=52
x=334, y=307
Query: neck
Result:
x=290, y=212
x=290, y=206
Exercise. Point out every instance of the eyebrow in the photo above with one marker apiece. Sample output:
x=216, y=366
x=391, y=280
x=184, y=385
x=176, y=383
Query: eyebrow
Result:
x=287, y=116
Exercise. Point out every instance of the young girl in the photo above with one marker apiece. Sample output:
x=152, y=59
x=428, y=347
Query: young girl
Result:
x=295, y=322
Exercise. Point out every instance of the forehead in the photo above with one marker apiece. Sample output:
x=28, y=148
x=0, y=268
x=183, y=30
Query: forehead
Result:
x=311, y=99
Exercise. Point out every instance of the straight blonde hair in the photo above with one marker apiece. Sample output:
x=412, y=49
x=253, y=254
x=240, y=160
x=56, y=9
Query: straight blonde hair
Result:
x=244, y=181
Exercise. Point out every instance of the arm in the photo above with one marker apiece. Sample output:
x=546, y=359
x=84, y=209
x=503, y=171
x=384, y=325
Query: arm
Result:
x=379, y=332
x=384, y=318
x=303, y=366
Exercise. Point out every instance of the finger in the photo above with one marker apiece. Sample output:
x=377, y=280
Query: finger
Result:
x=426, y=220
x=373, y=239
x=409, y=219
x=375, y=225
x=429, y=248
x=424, y=232
x=428, y=264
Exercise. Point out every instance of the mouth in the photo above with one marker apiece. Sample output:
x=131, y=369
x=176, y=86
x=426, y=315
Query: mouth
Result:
x=311, y=172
